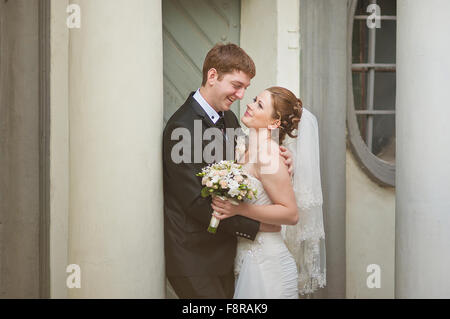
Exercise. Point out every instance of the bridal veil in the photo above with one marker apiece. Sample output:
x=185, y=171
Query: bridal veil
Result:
x=306, y=239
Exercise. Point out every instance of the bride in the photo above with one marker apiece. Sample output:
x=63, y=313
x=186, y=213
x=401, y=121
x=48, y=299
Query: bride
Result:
x=290, y=262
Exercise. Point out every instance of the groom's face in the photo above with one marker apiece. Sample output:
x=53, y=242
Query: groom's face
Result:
x=229, y=88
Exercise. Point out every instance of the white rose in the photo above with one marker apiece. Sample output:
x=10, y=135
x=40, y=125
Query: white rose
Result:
x=238, y=178
x=223, y=184
x=215, y=179
x=234, y=188
x=233, y=192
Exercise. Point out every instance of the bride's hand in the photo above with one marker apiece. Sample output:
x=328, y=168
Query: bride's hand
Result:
x=224, y=208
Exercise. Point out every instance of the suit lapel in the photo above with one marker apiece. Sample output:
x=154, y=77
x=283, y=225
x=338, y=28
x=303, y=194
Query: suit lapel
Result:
x=208, y=122
x=200, y=111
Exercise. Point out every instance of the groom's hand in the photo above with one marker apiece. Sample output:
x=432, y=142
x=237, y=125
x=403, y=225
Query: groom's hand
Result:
x=287, y=156
x=268, y=228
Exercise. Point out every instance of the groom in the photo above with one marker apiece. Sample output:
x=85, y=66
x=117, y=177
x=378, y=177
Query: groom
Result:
x=200, y=264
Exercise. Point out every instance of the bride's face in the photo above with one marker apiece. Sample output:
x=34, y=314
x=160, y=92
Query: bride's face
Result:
x=259, y=113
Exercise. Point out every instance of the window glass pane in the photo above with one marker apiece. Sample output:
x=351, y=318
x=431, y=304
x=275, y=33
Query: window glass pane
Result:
x=385, y=42
x=360, y=43
x=383, y=142
x=384, y=94
x=359, y=90
x=388, y=7
x=361, y=8
x=384, y=90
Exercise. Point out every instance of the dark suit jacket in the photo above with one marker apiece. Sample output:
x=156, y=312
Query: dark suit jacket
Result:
x=190, y=250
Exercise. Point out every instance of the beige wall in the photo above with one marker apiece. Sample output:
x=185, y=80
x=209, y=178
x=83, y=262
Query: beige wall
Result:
x=273, y=45
x=258, y=40
x=370, y=228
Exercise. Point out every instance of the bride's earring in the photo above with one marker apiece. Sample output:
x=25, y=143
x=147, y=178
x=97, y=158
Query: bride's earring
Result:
x=274, y=126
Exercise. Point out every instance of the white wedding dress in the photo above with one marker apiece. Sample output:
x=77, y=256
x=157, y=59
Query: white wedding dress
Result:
x=264, y=268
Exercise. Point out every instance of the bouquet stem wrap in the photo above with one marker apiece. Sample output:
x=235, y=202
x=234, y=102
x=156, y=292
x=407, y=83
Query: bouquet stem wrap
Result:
x=213, y=224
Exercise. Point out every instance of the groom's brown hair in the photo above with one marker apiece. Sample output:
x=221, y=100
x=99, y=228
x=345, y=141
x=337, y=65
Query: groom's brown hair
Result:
x=226, y=58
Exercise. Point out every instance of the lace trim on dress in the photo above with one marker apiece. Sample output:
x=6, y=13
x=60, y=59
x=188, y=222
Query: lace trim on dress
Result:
x=246, y=247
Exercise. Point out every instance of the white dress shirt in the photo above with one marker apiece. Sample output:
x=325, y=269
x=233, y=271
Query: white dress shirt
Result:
x=213, y=115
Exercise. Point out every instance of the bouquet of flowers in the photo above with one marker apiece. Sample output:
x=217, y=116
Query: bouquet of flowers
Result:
x=227, y=180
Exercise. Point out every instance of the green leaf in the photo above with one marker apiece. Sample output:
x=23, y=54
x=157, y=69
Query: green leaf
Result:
x=205, y=192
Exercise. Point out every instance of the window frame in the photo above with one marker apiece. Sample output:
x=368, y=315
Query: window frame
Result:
x=380, y=171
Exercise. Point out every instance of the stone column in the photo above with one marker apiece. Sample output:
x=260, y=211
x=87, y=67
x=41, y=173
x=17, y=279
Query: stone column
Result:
x=323, y=88
x=19, y=149
x=423, y=154
x=115, y=127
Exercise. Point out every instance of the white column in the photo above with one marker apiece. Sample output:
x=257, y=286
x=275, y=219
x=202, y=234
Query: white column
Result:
x=59, y=148
x=115, y=120
x=19, y=150
x=423, y=150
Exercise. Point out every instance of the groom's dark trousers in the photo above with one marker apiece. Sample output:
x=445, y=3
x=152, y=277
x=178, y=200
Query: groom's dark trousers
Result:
x=198, y=264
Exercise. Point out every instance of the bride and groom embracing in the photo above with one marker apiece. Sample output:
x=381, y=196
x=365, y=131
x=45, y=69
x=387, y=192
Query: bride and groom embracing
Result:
x=271, y=246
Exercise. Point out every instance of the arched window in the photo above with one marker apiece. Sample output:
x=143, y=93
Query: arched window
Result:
x=371, y=87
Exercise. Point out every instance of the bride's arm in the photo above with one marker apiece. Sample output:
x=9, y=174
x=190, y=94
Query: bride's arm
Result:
x=277, y=185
